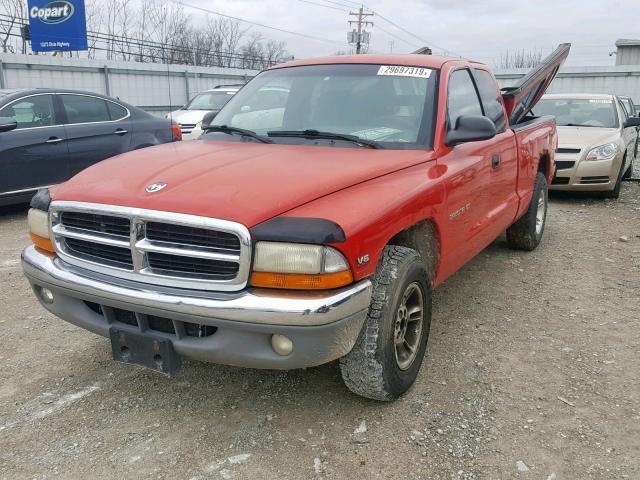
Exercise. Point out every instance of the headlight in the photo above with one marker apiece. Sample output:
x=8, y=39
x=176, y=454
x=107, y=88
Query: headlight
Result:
x=603, y=152
x=38, y=221
x=299, y=266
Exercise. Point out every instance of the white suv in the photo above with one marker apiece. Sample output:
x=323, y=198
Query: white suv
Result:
x=190, y=116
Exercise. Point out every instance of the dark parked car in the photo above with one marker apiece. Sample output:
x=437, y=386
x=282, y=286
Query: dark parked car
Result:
x=47, y=136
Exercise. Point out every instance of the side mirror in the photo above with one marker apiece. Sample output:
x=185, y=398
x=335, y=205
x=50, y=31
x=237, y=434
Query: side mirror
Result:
x=471, y=128
x=632, y=122
x=207, y=119
x=7, y=124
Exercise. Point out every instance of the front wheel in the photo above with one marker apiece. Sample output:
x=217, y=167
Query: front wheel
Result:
x=527, y=232
x=387, y=356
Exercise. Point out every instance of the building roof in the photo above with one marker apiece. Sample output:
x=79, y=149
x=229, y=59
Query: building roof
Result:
x=627, y=42
x=579, y=96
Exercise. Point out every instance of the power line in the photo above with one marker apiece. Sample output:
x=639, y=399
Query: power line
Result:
x=323, y=5
x=427, y=42
x=262, y=25
x=378, y=27
x=354, y=5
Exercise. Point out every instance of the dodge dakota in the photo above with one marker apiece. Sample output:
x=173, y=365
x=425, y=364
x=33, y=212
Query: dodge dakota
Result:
x=309, y=231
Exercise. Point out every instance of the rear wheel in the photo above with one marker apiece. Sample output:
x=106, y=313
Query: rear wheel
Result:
x=527, y=232
x=387, y=356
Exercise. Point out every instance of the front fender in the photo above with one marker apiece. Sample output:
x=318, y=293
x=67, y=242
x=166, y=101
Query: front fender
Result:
x=373, y=212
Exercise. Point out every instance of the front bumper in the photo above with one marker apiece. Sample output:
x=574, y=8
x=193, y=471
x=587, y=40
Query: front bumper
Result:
x=587, y=175
x=323, y=326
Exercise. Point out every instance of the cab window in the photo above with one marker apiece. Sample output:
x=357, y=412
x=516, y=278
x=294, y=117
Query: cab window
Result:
x=463, y=98
x=116, y=111
x=31, y=112
x=85, y=109
x=491, y=98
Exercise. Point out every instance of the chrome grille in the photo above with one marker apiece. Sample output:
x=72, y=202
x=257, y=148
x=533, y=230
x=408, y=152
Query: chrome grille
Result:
x=150, y=246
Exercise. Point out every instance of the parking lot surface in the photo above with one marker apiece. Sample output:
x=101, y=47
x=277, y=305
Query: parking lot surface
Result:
x=531, y=372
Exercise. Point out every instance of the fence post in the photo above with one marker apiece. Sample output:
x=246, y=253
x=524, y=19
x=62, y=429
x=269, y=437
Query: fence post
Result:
x=107, y=83
x=3, y=82
x=186, y=84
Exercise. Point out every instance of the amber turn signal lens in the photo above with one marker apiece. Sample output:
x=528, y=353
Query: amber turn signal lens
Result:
x=297, y=281
x=43, y=243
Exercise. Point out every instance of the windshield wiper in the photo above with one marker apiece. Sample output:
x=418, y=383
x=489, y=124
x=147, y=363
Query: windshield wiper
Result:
x=325, y=135
x=240, y=131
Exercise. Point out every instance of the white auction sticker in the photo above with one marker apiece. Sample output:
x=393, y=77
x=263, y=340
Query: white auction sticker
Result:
x=600, y=100
x=403, y=71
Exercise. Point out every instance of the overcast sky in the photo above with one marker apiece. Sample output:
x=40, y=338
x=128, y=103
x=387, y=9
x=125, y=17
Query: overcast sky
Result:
x=478, y=29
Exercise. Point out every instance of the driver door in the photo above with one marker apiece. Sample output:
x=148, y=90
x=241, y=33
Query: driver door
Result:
x=467, y=186
x=35, y=154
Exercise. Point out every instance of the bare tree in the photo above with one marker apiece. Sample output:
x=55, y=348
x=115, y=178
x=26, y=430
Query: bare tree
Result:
x=520, y=59
x=13, y=14
x=154, y=31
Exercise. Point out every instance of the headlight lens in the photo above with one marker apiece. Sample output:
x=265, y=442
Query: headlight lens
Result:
x=38, y=221
x=603, y=152
x=299, y=266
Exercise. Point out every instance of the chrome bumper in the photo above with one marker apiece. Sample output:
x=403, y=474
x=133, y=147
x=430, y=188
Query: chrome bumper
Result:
x=323, y=326
x=273, y=307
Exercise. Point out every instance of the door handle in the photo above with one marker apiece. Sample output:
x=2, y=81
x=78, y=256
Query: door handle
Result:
x=120, y=132
x=53, y=140
x=495, y=161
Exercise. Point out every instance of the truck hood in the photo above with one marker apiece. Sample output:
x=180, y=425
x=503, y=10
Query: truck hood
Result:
x=586, y=137
x=237, y=181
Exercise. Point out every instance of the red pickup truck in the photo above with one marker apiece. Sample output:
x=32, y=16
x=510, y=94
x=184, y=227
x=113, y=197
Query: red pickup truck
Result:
x=310, y=223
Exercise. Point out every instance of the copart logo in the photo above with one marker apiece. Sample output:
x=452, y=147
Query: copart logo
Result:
x=53, y=13
x=155, y=187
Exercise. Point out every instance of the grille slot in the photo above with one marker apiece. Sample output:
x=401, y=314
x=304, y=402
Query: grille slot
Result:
x=560, y=181
x=160, y=324
x=96, y=252
x=184, y=235
x=125, y=316
x=153, y=247
x=564, y=164
x=591, y=180
x=152, y=323
x=568, y=150
x=96, y=223
x=191, y=265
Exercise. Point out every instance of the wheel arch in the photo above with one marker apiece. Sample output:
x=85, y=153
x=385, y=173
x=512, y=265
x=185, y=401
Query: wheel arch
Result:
x=544, y=166
x=424, y=237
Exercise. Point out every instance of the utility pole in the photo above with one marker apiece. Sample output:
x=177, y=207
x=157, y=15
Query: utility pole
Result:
x=360, y=35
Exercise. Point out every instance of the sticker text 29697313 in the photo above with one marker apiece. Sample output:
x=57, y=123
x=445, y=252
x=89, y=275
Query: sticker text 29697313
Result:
x=404, y=71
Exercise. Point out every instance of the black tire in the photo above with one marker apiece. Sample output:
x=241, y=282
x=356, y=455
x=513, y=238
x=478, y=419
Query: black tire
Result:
x=524, y=235
x=615, y=193
x=372, y=368
x=629, y=172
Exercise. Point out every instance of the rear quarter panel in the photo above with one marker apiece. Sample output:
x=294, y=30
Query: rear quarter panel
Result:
x=149, y=130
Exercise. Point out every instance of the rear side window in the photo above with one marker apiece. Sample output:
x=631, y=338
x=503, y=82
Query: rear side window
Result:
x=116, y=112
x=84, y=109
x=463, y=99
x=490, y=97
x=31, y=112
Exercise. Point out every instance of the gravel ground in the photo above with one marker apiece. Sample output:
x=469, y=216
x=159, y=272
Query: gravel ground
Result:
x=531, y=372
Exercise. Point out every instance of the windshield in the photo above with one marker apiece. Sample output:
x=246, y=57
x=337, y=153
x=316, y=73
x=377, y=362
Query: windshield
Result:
x=209, y=101
x=391, y=105
x=579, y=112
